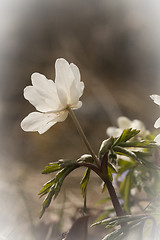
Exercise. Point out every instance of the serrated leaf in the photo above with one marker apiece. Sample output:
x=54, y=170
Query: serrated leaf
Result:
x=53, y=167
x=55, y=187
x=123, y=233
x=84, y=181
x=122, y=219
x=127, y=153
x=133, y=223
x=138, y=144
x=126, y=135
x=46, y=187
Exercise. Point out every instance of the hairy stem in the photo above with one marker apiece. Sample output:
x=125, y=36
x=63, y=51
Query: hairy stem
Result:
x=83, y=136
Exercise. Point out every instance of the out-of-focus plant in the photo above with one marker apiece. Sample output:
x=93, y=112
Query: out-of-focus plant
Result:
x=127, y=162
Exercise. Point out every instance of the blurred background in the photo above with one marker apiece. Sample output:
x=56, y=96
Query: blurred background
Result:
x=116, y=45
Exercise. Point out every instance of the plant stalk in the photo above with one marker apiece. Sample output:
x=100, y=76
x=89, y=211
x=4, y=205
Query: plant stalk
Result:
x=114, y=198
x=83, y=136
x=111, y=190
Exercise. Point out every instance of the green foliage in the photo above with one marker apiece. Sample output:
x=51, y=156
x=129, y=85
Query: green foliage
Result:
x=64, y=168
x=105, y=146
x=126, y=135
x=125, y=188
x=85, y=158
x=53, y=167
x=84, y=181
x=133, y=161
x=53, y=187
x=134, y=227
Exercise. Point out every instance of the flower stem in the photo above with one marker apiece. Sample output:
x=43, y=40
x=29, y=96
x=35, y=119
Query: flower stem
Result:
x=83, y=136
x=111, y=190
x=114, y=199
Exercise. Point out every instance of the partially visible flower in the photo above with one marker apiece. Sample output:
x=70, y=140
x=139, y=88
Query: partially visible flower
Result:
x=123, y=123
x=156, y=99
x=51, y=99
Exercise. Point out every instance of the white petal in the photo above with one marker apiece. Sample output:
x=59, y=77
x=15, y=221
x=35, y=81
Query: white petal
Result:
x=76, y=72
x=113, y=132
x=156, y=98
x=79, y=86
x=124, y=122
x=41, y=122
x=31, y=94
x=64, y=79
x=64, y=74
x=157, y=123
x=69, y=87
x=157, y=139
x=74, y=95
x=63, y=97
x=47, y=90
x=78, y=105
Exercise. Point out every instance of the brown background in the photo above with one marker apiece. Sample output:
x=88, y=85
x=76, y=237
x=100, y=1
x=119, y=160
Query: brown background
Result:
x=116, y=46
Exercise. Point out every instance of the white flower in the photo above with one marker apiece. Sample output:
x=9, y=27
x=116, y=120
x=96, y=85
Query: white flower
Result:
x=51, y=98
x=156, y=99
x=123, y=123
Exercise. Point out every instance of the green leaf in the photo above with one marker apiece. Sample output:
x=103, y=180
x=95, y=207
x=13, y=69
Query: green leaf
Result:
x=53, y=167
x=150, y=164
x=138, y=144
x=112, y=168
x=113, y=235
x=125, y=188
x=104, y=148
x=46, y=187
x=125, y=165
x=123, y=151
x=115, y=221
x=66, y=162
x=54, y=186
x=84, y=181
x=86, y=158
x=126, y=135
x=135, y=224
